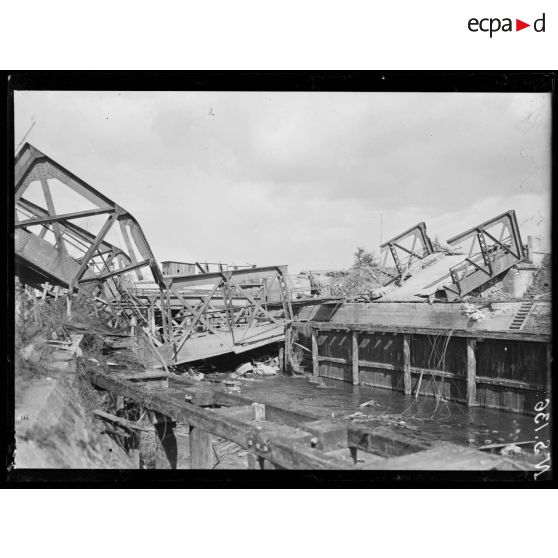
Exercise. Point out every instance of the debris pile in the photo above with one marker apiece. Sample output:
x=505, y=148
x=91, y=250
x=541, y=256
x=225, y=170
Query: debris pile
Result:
x=490, y=291
x=472, y=312
x=359, y=283
x=231, y=379
x=371, y=403
x=268, y=367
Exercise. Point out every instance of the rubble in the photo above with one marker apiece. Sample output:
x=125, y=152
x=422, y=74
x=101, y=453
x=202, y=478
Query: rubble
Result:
x=472, y=312
x=265, y=367
x=244, y=368
x=262, y=369
x=370, y=403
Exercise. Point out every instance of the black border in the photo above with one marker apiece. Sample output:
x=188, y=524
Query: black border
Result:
x=365, y=81
x=229, y=80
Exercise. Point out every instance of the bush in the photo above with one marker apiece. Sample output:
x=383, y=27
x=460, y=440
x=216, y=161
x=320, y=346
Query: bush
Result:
x=358, y=281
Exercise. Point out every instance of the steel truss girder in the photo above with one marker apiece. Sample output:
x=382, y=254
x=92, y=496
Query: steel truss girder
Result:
x=70, y=228
x=31, y=165
x=418, y=233
x=493, y=257
x=237, y=323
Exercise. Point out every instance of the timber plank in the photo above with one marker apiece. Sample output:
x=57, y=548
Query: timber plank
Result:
x=384, y=441
x=328, y=435
x=154, y=375
x=474, y=333
x=446, y=456
x=471, y=373
x=282, y=451
x=363, y=363
x=119, y=421
x=438, y=373
x=355, y=342
x=268, y=433
x=407, y=381
x=315, y=354
x=509, y=383
x=200, y=396
x=272, y=412
x=282, y=445
x=201, y=449
x=244, y=412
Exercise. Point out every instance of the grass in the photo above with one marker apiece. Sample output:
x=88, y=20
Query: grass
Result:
x=40, y=320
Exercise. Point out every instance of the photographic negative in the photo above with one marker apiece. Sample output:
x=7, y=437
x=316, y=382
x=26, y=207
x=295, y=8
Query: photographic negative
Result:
x=345, y=278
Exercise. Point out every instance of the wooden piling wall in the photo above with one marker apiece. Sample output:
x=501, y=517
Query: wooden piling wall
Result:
x=515, y=361
x=501, y=370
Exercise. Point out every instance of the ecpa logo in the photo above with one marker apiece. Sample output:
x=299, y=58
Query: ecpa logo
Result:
x=494, y=24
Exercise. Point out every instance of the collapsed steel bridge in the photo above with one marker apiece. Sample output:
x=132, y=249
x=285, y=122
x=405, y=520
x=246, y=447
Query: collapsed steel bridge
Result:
x=184, y=318
x=455, y=268
x=189, y=317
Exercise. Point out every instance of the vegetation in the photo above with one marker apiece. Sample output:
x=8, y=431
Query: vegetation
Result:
x=365, y=275
x=38, y=321
x=364, y=259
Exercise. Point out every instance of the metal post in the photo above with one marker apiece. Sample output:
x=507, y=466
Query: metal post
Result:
x=93, y=248
x=52, y=211
x=163, y=315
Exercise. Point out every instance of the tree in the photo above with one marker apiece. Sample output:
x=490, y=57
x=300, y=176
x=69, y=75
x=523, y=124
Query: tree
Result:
x=363, y=258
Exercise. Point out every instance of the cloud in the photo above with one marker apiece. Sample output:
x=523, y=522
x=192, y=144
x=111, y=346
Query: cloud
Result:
x=299, y=178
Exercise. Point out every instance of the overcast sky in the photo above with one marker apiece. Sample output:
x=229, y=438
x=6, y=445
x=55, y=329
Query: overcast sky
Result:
x=299, y=178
